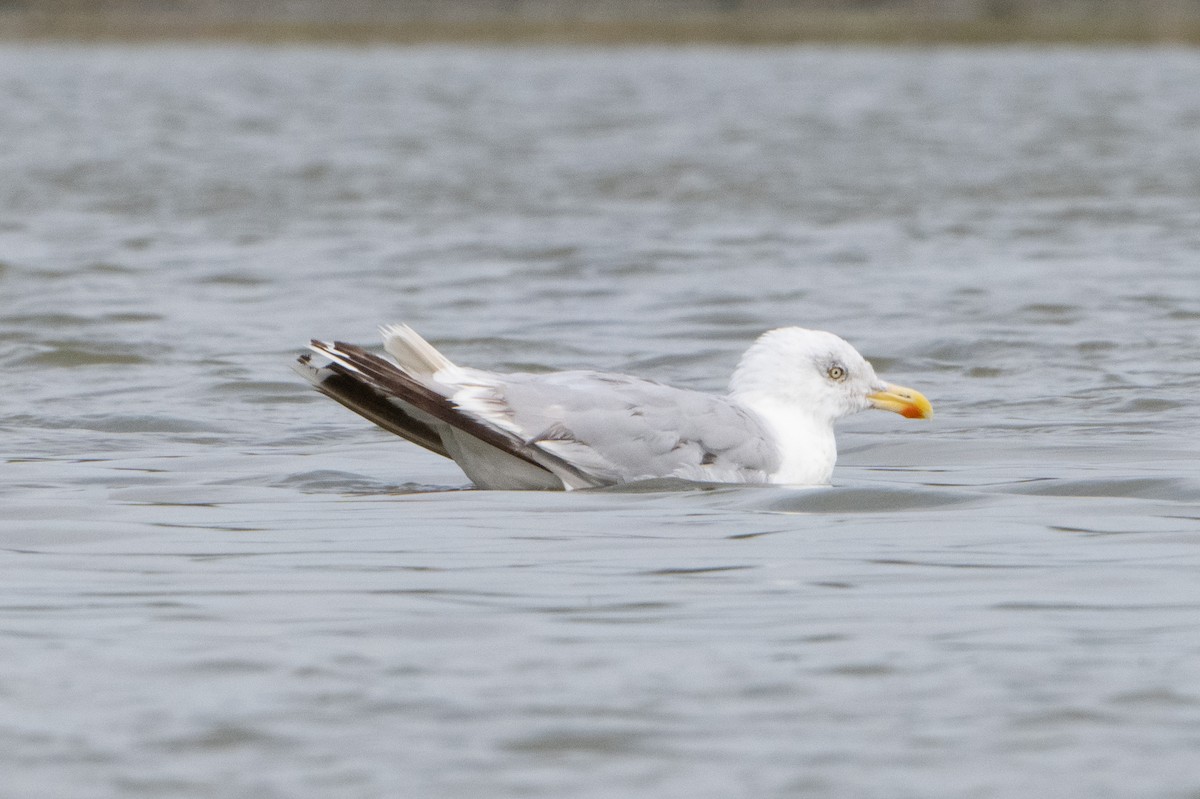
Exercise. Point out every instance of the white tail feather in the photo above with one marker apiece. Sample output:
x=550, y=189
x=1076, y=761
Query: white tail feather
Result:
x=414, y=354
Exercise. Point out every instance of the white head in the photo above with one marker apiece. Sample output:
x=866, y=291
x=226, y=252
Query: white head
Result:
x=819, y=374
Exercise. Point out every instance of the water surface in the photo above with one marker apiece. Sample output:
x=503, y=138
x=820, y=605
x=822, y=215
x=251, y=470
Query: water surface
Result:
x=217, y=582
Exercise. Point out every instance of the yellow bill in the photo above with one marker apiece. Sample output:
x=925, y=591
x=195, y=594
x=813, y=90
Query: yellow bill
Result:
x=908, y=402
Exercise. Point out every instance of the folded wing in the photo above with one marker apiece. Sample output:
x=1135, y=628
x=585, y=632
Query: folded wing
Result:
x=619, y=428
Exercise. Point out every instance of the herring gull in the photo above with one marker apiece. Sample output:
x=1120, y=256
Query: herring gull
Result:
x=584, y=429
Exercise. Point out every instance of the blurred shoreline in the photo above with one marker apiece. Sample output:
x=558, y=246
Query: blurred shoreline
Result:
x=612, y=22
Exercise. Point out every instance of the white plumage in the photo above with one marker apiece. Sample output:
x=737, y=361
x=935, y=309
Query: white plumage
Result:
x=582, y=429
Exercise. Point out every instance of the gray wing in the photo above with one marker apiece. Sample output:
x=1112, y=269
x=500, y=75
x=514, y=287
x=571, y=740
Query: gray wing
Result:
x=619, y=428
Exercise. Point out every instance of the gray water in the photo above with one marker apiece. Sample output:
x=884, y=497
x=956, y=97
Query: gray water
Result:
x=217, y=583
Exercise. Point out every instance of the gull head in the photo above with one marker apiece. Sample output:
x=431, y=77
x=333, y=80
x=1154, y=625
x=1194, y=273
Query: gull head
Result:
x=820, y=375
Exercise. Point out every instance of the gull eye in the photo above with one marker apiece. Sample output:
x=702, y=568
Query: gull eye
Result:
x=837, y=372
